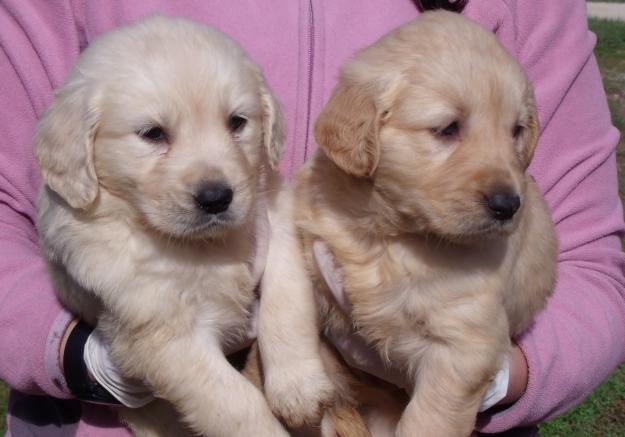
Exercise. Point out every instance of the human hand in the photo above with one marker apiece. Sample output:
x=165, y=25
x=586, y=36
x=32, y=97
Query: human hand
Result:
x=517, y=383
x=507, y=386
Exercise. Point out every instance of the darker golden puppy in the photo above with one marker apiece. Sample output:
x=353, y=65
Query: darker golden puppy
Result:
x=445, y=246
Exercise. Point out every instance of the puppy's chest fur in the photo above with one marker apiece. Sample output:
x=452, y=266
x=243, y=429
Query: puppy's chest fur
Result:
x=410, y=287
x=111, y=265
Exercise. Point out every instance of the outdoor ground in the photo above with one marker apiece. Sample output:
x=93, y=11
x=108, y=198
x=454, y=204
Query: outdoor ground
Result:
x=603, y=413
x=4, y=396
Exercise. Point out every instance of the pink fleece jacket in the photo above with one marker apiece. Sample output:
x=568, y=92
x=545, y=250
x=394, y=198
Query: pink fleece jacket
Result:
x=573, y=345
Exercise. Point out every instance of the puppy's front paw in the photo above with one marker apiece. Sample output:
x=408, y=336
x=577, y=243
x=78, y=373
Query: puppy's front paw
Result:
x=300, y=393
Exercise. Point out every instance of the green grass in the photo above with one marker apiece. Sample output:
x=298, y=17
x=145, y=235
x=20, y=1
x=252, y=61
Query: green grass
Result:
x=4, y=399
x=611, y=56
x=603, y=413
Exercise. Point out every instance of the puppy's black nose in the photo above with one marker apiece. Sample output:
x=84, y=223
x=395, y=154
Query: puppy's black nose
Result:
x=503, y=205
x=213, y=198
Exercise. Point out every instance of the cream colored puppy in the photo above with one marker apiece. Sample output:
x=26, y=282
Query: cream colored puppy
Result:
x=445, y=246
x=158, y=155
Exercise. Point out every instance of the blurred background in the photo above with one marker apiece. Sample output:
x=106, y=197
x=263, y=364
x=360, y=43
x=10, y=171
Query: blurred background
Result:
x=603, y=413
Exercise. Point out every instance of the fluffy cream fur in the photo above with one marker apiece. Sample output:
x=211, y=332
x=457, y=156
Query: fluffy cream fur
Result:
x=168, y=285
x=422, y=127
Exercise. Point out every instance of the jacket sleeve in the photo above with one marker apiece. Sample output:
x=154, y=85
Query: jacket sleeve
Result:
x=39, y=42
x=579, y=339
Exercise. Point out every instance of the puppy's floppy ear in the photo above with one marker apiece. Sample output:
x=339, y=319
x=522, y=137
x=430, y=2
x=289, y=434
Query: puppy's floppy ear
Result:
x=64, y=145
x=531, y=136
x=347, y=130
x=274, y=127
x=348, y=126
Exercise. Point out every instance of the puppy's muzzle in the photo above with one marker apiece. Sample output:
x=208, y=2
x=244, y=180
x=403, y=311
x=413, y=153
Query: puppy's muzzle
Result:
x=502, y=205
x=214, y=198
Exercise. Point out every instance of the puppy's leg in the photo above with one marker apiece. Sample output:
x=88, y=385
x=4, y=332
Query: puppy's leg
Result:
x=296, y=383
x=194, y=375
x=343, y=421
x=447, y=395
x=452, y=377
x=253, y=369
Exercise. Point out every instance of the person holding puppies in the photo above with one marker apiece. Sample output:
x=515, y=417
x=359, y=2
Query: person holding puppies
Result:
x=574, y=343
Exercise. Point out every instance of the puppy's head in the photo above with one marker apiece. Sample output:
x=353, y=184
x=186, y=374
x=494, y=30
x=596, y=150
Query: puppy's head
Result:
x=442, y=121
x=170, y=116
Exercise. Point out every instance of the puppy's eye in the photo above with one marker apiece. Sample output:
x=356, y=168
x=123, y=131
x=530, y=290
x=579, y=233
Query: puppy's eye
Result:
x=450, y=131
x=517, y=131
x=236, y=123
x=154, y=134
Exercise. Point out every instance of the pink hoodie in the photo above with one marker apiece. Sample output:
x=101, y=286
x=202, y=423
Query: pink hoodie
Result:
x=573, y=345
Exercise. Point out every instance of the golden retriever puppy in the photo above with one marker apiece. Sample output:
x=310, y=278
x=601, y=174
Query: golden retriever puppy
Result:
x=445, y=247
x=158, y=155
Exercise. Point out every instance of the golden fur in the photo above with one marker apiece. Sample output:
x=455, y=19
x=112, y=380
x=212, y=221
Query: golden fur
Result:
x=399, y=195
x=167, y=285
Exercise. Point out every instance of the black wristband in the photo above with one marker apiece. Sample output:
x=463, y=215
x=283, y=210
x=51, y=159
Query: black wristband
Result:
x=75, y=369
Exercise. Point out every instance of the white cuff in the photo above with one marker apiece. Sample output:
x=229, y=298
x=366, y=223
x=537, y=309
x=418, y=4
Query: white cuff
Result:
x=130, y=392
x=498, y=388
